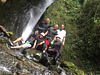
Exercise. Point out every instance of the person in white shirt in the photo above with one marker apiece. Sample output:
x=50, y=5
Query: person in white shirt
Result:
x=62, y=33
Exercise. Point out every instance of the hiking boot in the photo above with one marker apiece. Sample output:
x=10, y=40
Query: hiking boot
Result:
x=54, y=62
x=11, y=42
x=48, y=63
x=9, y=47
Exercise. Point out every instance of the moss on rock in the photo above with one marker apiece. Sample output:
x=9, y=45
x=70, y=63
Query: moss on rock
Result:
x=70, y=67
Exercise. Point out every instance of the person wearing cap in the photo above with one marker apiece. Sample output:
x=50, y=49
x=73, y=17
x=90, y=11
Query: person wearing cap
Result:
x=39, y=40
x=55, y=49
x=40, y=44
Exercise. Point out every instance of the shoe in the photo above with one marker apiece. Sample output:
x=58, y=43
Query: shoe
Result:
x=11, y=42
x=54, y=62
x=48, y=63
x=9, y=47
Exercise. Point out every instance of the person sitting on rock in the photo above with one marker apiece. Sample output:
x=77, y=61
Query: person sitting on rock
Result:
x=51, y=33
x=27, y=40
x=40, y=44
x=62, y=34
x=55, y=49
x=43, y=26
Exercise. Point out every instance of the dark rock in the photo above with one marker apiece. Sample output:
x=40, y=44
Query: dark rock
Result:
x=13, y=62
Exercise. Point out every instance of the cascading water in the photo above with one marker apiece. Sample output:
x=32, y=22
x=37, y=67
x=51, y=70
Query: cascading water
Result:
x=35, y=14
x=22, y=23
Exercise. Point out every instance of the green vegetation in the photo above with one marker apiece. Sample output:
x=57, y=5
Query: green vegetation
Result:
x=82, y=22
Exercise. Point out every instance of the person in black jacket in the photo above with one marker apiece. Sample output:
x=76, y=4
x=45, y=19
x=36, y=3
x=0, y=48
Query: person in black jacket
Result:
x=43, y=26
x=56, y=49
x=51, y=33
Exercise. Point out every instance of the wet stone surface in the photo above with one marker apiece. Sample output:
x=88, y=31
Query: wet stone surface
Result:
x=12, y=62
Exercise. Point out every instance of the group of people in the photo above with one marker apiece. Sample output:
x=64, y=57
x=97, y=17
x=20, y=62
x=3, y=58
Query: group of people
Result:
x=49, y=40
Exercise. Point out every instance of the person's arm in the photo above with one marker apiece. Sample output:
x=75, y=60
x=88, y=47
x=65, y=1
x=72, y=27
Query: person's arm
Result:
x=60, y=49
x=63, y=41
x=19, y=39
x=1, y=27
x=41, y=43
x=54, y=38
x=46, y=33
x=34, y=44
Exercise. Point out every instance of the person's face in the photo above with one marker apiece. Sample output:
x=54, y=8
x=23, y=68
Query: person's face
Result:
x=62, y=27
x=56, y=26
x=57, y=38
x=41, y=36
x=47, y=20
x=36, y=32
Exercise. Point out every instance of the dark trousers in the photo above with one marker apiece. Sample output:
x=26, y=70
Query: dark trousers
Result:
x=42, y=47
x=52, y=52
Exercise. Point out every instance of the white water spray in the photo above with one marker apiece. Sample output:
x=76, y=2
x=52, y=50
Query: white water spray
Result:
x=35, y=14
x=4, y=69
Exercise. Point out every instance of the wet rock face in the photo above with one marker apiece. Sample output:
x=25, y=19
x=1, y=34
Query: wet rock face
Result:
x=12, y=62
x=10, y=65
x=71, y=68
x=34, y=55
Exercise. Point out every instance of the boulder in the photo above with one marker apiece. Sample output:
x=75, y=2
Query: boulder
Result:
x=12, y=62
x=34, y=55
x=70, y=67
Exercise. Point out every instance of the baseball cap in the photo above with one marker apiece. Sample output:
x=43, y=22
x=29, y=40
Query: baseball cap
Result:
x=42, y=34
x=58, y=36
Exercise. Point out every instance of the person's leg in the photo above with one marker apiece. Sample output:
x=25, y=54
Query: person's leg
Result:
x=57, y=55
x=17, y=47
x=44, y=46
x=60, y=49
x=45, y=52
x=49, y=40
x=51, y=51
x=24, y=46
x=39, y=47
x=19, y=39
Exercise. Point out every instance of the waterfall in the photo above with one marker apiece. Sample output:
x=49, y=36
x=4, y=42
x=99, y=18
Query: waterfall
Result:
x=35, y=14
